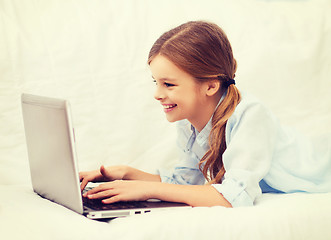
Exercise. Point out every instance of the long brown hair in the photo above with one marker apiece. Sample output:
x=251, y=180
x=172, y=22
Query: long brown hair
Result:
x=203, y=50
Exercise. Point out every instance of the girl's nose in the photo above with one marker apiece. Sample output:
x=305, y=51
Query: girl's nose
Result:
x=158, y=95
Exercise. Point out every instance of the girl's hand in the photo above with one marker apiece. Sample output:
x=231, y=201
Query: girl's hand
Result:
x=104, y=174
x=193, y=195
x=120, y=190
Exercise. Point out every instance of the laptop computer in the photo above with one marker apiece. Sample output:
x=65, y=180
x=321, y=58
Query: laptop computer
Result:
x=50, y=140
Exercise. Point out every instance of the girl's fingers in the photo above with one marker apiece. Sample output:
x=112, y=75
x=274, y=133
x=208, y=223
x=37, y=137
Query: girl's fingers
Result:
x=83, y=184
x=101, y=194
x=100, y=191
x=117, y=191
x=111, y=200
x=84, y=181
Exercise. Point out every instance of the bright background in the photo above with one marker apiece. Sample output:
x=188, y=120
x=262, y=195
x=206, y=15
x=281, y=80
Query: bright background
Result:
x=94, y=52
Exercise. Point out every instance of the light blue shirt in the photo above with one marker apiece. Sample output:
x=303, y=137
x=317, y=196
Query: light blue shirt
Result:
x=261, y=156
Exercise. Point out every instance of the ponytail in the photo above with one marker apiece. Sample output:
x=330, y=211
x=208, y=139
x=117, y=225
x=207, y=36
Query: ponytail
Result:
x=211, y=164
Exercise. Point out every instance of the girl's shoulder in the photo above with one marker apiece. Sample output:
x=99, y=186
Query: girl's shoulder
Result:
x=249, y=101
x=250, y=106
x=250, y=116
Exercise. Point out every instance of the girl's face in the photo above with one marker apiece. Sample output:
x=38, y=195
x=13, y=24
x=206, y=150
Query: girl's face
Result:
x=181, y=96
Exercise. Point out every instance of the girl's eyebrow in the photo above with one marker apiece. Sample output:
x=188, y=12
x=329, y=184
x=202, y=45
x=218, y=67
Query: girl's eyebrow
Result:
x=165, y=79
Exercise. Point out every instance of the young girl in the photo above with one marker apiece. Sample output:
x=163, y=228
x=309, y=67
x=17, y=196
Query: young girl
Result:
x=227, y=138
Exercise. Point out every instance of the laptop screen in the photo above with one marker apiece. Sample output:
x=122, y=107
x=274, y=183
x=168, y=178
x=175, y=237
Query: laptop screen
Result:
x=51, y=150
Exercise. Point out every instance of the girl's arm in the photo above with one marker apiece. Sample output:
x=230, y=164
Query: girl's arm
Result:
x=193, y=195
x=136, y=174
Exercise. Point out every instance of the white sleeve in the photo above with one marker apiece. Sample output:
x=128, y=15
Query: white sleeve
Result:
x=250, y=137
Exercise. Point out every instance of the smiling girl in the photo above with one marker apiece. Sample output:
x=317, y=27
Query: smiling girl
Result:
x=233, y=147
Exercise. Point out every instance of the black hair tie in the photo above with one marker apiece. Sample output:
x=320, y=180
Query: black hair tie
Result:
x=229, y=82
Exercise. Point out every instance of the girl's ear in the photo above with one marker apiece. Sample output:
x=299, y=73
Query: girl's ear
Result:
x=212, y=87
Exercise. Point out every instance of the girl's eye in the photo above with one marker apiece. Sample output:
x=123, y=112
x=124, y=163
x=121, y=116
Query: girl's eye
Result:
x=168, y=84
x=165, y=84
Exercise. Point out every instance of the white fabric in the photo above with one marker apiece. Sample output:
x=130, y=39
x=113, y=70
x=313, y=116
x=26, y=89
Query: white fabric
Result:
x=94, y=54
x=24, y=215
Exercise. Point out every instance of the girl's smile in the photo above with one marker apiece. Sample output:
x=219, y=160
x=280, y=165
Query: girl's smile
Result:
x=169, y=107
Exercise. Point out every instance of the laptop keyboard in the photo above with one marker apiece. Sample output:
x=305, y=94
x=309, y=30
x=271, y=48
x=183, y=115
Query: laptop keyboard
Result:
x=97, y=204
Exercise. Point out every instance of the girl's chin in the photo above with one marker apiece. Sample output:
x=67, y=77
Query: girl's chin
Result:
x=172, y=119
